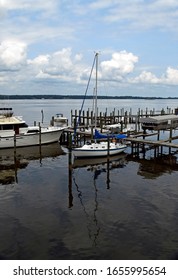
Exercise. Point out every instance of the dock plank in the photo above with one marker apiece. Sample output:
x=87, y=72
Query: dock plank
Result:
x=164, y=143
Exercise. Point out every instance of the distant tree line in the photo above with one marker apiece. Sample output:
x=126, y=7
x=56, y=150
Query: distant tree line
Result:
x=51, y=96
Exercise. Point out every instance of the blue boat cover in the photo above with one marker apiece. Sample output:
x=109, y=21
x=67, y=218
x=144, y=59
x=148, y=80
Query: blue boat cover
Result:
x=99, y=135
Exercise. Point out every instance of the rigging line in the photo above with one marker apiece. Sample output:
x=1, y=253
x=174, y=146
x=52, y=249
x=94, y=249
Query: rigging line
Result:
x=85, y=94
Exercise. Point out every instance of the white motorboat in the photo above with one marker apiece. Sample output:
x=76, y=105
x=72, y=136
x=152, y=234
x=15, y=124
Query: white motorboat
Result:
x=98, y=149
x=59, y=118
x=118, y=128
x=15, y=132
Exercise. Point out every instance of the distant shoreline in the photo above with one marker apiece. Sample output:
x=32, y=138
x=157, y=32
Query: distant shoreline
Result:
x=2, y=97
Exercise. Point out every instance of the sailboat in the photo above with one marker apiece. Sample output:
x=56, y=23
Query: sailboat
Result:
x=99, y=149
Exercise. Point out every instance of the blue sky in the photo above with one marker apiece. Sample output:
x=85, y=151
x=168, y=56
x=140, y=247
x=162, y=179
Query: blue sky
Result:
x=47, y=47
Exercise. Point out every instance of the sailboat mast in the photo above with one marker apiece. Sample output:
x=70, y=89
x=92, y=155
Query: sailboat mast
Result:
x=96, y=89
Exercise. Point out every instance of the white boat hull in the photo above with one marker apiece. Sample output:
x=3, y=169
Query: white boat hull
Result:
x=99, y=150
x=47, y=136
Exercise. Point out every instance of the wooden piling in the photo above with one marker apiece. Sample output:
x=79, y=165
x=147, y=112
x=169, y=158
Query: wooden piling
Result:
x=15, y=145
x=70, y=172
x=39, y=133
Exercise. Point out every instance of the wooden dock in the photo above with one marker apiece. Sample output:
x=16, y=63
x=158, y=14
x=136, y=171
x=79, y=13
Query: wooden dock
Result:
x=142, y=145
x=87, y=118
x=137, y=139
x=163, y=143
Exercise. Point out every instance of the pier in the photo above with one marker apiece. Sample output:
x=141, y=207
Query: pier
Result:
x=138, y=139
x=86, y=118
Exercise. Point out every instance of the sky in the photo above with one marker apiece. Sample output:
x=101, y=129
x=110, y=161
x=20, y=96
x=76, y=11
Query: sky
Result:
x=48, y=47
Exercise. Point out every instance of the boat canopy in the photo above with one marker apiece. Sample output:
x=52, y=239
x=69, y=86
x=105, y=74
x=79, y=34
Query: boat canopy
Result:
x=99, y=135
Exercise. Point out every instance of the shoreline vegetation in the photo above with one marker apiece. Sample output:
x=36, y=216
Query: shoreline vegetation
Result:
x=51, y=96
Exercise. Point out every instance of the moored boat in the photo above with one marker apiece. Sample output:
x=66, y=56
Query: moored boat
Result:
x=99, y=149
x=15, y=132
x=60, y=120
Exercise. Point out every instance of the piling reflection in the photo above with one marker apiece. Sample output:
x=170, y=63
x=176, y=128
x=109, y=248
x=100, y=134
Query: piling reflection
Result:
x=70, y=178
x=153, y=168
x=11, y=161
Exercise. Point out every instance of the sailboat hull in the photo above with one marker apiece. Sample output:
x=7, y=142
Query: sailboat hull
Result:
x=99, y=150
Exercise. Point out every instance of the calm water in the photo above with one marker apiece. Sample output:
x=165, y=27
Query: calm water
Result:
x=124, y=209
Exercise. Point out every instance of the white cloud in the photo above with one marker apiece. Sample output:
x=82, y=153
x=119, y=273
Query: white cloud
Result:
x=145, y=77
x=141, y=15
x=60, y=65
x=65, y=66
x=3, y=79
x=34, y=21
x=171, y=76
x=102, y=4
x=28, y=5
x=121, y=64
x=12, y=55
x=39, y=60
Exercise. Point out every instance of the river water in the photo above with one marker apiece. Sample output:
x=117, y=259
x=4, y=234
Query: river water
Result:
x=123, y=209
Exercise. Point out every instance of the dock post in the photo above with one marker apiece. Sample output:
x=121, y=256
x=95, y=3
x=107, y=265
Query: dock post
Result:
x=170, y=137
x=15, y=159
x=108, y=147
x=108, y=179
x=15, y=145
x=146, y=112
x=92, y=118
x=138, y=148
x=130, y=115
x=161, y=150
x=158, y=136
x=52, y=121
x=88, y=113
x=100, y=119
x=42, y=116
x=39, y=133
x=71, y=117
x=154, y=151
x=83, y=119
x=132, y=148
x=121, y=125
x=70, y=172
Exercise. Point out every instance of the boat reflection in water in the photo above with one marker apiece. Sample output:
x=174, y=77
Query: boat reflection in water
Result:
x=99, y=165
x=114, y=161
x=96, y=166
x=90, y=176
x=12, y=160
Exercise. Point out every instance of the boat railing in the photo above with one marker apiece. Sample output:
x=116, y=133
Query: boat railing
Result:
x=6, y=112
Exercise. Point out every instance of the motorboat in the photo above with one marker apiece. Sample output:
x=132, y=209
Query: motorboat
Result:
x=59, y=119
x=14, y=132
